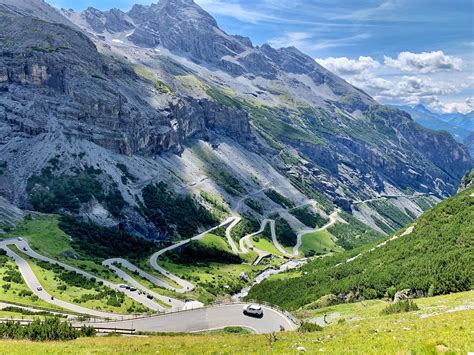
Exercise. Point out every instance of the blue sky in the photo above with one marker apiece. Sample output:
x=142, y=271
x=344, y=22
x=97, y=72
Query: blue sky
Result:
x=400, y=51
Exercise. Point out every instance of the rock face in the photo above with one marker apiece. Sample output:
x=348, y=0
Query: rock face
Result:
x=54, y=78
x=10, y=215
x=96, y=87
x=403, y=295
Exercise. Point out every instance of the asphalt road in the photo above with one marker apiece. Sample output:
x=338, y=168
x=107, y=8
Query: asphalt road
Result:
x=186, y=286
x=202, y=319
x=33, y=282
x=332, y=220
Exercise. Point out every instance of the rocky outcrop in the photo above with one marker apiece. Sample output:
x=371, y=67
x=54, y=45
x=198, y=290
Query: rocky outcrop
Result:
x=10, y=215
x=54, y=74
x=467, y=181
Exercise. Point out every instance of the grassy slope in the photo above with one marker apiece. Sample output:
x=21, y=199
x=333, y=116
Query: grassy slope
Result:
x=433, y=259
x=363, y=331
x=44, y=236
x=13, y=294
x=319, y=243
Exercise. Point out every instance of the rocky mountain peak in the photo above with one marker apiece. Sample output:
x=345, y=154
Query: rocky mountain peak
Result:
x=33, y=8
x=183, y=26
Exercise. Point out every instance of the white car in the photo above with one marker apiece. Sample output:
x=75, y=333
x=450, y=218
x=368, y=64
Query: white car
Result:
x=39, y=288
x=253, y=310
x=20, y=239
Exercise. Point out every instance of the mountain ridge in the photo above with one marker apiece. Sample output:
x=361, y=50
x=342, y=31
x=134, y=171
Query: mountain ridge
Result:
x=170, y=107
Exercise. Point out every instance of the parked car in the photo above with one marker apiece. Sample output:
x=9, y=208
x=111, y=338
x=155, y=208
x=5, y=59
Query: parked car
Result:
x=253, y=310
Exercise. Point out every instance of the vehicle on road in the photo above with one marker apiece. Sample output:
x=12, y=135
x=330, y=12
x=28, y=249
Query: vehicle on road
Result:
x=39, y=288
x=253, y=310
x=20, y=239
x=124, y=286
x=150, y=297
x=133, y=289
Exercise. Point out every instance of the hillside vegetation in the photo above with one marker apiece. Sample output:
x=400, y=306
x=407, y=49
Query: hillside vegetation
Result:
x=360, y=329
x=436, y=258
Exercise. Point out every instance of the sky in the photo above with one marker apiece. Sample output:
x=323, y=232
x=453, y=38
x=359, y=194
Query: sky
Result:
x=399, y=51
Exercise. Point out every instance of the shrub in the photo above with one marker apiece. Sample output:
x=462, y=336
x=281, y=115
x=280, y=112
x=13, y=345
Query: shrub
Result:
x=50, y=329
x=50, y=192
x=255, y=205
x=235, y=330
x=279, y=198
x=307, y=327
x=400, y=307
x=104, y=243
x=165, y=209
x=306, y=216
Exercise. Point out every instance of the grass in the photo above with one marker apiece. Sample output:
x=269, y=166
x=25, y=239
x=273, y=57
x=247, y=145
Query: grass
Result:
x=363, y=330
x=266, y=245
x=18, y=293
x=213, y=279
x=212, y=240
x=45, y=237
x=318, y=243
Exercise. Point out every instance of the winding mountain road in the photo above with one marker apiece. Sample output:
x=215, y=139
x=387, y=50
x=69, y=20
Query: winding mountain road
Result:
x=201, y=319
x=35, y=286
x=332, y=220
x=171, y=302
x=185, y=285
x=208, y=318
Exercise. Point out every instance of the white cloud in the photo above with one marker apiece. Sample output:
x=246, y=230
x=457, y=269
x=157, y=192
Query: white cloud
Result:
x=378, y=12
x=344, y=66
x=307, y=42
x=410, y=86
x=425, y=62
x=465, y=106
x=437, y=80
x=234, y=10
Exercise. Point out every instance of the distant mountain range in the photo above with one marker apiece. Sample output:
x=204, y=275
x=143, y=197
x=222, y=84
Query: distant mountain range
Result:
x=461, y=126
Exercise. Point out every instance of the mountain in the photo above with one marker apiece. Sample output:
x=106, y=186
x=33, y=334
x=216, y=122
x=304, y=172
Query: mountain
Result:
x=433, y=256
x=461, y=126
x=100, y=110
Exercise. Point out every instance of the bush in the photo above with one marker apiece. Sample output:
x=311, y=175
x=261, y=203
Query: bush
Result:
x=255, y=205
x=306, y=216
x=279, y=198
x=27, y=312
x=400, y=307
x=51, y=193
x=195, y=252
x=51, y=329
x=307, y=327
x=285, y=234
x=235, y=330
x=104, y=243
